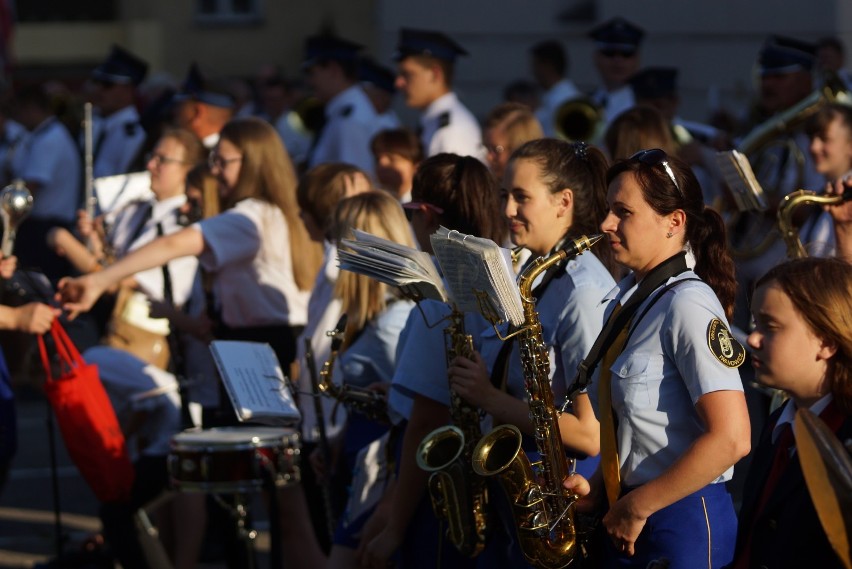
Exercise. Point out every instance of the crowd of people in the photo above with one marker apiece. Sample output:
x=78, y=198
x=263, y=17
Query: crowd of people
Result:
x=680, y=347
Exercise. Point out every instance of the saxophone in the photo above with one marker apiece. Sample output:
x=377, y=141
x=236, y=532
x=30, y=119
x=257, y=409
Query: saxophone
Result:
x=459, y=497
x=370, y=403
x=791, y=202
x=543, y=508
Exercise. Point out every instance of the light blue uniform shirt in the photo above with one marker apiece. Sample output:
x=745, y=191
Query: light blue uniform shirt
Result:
x=666, y=366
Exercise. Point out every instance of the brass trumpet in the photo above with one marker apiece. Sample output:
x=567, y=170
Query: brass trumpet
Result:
x=791, y=202
x=578, y=120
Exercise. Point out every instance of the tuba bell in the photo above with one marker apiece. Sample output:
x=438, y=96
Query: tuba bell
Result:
x=16, y=202
x=751, y=234
x=578, y=120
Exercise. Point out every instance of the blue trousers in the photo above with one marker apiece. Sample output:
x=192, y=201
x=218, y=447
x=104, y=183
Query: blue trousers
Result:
x=698, y=531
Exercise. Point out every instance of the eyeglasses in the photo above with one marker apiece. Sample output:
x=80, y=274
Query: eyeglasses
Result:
x=160, y=159
x=626, y=54
x=657, y=157
x=411, y=207
x=214, y=160
x=495, y=149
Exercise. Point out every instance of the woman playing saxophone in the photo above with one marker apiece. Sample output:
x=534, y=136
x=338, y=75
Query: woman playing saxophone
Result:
x=554, y=191
x=667, y=390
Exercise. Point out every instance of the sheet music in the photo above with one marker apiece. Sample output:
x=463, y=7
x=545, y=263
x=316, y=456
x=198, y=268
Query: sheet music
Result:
x=738, y=174
x=391, y=263
x=255, y=382
x=479, y=275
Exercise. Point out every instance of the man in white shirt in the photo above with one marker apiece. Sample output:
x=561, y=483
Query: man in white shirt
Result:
x=616, y=58
x=117, y=135
x=550, y=68
x=331, y=66
x=379, y=83
x=425, y=66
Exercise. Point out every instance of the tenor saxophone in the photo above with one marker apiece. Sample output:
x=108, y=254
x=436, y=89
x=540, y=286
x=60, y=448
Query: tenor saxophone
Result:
x=542, y=507
x=459, y=497
x=369, y=403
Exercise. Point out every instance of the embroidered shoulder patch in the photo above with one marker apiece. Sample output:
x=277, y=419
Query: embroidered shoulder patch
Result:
x=723, y=345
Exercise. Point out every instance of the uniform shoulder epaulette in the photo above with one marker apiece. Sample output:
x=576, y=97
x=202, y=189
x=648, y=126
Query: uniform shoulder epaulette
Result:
x=130, y=128
x=346, y=111
x=444, y=119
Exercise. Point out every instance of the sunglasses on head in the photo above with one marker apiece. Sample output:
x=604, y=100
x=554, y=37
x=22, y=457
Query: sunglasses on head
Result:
x=411, y=207
x=657, y=157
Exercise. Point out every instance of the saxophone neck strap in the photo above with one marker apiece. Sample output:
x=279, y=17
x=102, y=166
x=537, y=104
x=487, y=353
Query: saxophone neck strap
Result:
x=620, y=319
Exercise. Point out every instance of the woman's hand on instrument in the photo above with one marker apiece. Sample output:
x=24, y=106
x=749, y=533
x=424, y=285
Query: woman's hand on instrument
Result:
x=841, y=213
x=79, y=294
x=623, y=524
x=469, y=378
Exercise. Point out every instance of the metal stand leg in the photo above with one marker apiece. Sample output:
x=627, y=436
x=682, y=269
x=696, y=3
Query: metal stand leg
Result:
x=245, y=535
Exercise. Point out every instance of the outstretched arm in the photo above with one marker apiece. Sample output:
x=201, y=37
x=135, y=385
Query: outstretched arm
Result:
x=79, y=294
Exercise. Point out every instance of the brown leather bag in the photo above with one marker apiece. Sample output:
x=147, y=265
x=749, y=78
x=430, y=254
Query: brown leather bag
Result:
x=125, y=333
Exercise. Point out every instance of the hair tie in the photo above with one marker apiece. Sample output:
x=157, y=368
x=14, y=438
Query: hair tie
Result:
x=581, y=150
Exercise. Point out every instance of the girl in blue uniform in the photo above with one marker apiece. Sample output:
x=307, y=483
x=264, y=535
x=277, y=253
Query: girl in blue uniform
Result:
x=666, y=390
x=554, y=191
x=458, y=193
x=375, y=315
x=801, y=344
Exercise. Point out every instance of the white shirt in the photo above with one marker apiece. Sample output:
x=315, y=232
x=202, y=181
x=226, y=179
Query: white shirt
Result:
x=349, y=128
x=49, y=157
x=614, y=102
x=323, y=314
x=448, y=126
x=562, y=91
x=133, y=229
x=248, y=249
x=117, y=141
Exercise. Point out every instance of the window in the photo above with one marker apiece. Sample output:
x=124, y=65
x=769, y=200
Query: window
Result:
x=237, y=12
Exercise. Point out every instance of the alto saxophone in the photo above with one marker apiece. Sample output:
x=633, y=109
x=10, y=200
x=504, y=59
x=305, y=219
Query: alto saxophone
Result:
x=543, y=508
x=369, y=403
x=791, y=202
x=459, y=497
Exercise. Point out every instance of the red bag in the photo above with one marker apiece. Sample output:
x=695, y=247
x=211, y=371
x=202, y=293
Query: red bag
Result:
x=87, y=420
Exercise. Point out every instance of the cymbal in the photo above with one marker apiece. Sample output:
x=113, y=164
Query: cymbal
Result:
x=828, y=475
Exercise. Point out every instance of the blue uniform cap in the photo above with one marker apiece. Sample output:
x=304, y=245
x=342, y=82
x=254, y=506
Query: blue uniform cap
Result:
x=781, y=55
x=329, y=48
x=617, y=34
x=197, y=89
x=371, y=72
x=431, y=44
x=655, y=82
x=121, y=67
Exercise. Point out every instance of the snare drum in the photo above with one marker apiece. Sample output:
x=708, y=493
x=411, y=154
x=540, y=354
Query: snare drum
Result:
x=233, y=459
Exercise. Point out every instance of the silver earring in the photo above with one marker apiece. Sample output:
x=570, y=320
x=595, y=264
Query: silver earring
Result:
x=669, y=234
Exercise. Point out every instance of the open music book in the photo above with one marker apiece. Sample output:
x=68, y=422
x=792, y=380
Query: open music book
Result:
x=393, y=264
x=479, y=276
x=738, y=174
x=255, y=383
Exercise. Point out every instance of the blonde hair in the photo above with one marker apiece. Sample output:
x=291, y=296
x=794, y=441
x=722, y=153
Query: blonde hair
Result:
x=379, y=214
x=267, y=174
x=517, y=123
x=637, y=129
x=821, y=292
x=200, y=177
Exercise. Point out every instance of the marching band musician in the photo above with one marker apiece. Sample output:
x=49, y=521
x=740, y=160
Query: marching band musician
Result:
x=550, y=65
x=507, y=126
x=665, y=386
x=616, y=58
x=203, y=106
x=375, y=315
x=554, y=191
x=425, y=73
x=458, y=193
x=801, y=344
x=331, y=65
x=118, y=135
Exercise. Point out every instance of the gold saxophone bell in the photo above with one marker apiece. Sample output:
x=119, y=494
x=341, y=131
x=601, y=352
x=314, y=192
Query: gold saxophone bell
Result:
x=16, y=202
x=578, y=120
x=309, y=114
x=790, y=203
x=751, y=234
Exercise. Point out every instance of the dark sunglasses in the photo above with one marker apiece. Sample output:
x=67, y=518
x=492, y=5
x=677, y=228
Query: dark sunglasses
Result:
x=617, y=53
x=657, y=157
